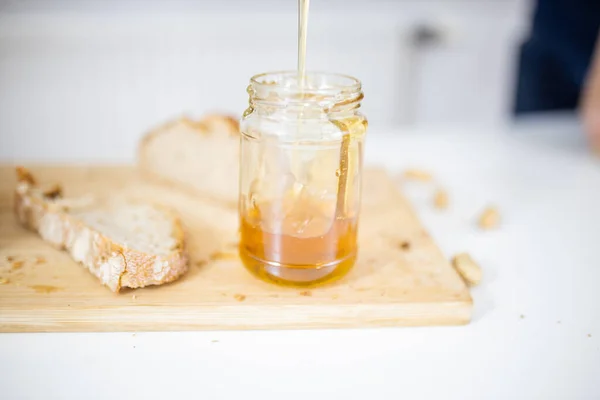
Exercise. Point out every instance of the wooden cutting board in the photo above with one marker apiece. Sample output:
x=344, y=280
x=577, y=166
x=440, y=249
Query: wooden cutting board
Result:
x=401, y=277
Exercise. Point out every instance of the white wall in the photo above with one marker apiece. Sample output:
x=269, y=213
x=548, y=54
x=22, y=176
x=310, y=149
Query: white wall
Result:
x=84, y=80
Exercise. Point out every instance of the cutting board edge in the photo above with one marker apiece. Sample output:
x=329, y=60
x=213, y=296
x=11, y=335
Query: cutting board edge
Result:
x=245, y=317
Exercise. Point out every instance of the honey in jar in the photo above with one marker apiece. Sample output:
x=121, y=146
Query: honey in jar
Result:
x=300, y=177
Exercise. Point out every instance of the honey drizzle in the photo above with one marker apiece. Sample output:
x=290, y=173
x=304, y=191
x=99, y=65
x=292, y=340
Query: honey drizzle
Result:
x=303, y=6
x=340, y=208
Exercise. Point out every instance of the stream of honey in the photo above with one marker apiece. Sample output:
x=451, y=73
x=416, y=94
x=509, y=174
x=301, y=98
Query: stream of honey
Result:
x=303, y=6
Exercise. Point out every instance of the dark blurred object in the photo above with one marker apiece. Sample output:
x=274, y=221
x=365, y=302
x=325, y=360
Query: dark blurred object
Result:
x=555, y=58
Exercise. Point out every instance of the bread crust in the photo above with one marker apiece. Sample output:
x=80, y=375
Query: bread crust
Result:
x=217, y=122
x=115, y=265
x=206, y=125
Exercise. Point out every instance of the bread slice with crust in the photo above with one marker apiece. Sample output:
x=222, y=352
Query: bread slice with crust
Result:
x=124, y=244
x=199, y=155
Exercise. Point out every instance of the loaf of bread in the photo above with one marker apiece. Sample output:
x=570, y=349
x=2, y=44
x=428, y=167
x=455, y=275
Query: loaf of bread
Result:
x=199, y=155
x=124, y=244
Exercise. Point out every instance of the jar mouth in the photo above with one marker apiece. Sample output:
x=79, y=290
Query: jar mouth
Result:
x=324, y=90
x=315, y=82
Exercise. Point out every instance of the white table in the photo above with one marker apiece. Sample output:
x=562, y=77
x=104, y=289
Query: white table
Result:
x=536, y=328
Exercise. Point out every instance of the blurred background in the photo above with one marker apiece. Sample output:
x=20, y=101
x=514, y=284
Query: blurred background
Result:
x=97, y=74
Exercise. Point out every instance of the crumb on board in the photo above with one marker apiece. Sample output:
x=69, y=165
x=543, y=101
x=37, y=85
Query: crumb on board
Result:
x=133, y=297
x=200, y=263
x=489, y=218
x=405, y=245
x=40, y=260
x=17, y=265
x=589, y=335
x=214, y=341
x=239, y=297
x=522, y=316
x=45, y=288
x=335, y=296
x=4, y=281
x=23, y=175
x=306, y=293
x=417, y=175
x=467, y=268
x=223, y=255
x=53, y=192
x=441, y=199
x=10, y=259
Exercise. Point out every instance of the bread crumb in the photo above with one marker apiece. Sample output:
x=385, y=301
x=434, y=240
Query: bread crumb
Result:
x=214, y=341
x=40, y=260
x=418, y=175
x=239, y=297
x=467, y=268
x=306, y=293
x=522, y=316
x=405, y=245
x=133, y=297
x=17, y=265
x=200, y=263
x=3, y=281
x=23, y=175
x=489, y=218
x=53, y=192
x=589, y=335
x=10, y=259
x=440, y=199
x=335, y=296
x=221, y=255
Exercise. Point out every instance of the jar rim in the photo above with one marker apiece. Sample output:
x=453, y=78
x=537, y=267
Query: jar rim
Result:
x=315, y=82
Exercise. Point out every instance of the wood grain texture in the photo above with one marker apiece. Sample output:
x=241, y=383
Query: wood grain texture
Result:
x=401, y=277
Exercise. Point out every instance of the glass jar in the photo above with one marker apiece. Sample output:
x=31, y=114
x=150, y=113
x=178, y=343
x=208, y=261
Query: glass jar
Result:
x=300, y=177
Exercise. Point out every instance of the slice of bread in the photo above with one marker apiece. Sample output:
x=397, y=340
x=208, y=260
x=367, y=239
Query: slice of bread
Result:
x=124, y=244
x=199, y=155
